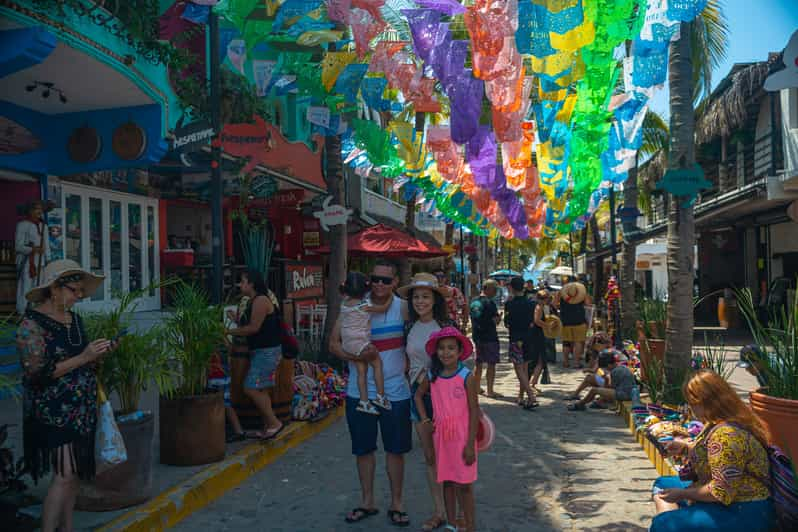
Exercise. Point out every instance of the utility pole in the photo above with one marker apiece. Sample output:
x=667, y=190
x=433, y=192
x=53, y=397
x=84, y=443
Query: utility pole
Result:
x=616, y=317
x=462, y=263
x=217, y=276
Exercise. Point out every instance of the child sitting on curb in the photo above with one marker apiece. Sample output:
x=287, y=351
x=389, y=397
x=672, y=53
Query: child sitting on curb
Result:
x=595, y=345
x=619, y=388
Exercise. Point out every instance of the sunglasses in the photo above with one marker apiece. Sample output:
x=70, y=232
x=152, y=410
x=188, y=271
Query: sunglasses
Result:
x=78, y=291
x=379, y=279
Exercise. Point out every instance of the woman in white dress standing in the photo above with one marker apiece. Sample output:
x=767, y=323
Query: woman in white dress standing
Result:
x=32, y=250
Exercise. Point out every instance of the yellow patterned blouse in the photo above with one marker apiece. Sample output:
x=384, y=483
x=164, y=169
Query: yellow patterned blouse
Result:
x=733, y=462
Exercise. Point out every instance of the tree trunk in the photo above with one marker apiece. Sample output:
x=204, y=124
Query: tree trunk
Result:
x=598, y=263
x=448, y=238
x=681, y=221
x=629, y=312
x=338, y=251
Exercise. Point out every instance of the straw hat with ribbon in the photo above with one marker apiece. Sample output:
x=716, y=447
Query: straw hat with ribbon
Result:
x=553, y=327
x=423, y=280
x=62, y=272
x=574, y=293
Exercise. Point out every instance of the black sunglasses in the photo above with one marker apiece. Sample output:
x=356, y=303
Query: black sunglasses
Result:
x=78, y=291
x=379, y=279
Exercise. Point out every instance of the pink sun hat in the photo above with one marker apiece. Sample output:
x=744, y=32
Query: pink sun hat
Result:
x=450, y=332
x=486, y=432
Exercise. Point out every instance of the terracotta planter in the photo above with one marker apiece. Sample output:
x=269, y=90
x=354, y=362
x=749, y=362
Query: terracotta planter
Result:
x=781, y=417
x=129, y=483
x=192, y=430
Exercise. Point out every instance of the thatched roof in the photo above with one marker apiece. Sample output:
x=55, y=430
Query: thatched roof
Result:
x=728, y=108
x=652, y=170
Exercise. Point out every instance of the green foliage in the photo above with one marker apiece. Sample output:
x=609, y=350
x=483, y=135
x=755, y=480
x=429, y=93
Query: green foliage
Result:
x=654, y=315
x=138, y=358
x=654, y=373
x=192, y=335
x=8, y=385
x=778, y=339
x=713, y=357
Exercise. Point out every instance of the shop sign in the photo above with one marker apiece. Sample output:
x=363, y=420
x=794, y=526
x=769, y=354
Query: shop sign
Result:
x=311, y=239
x=286, y=198
x=332, y=214
x=303, y=281
x=192, y=137
x=263, y=186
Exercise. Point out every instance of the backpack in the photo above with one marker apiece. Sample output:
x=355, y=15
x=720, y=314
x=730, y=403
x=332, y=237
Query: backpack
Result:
x=784, y=488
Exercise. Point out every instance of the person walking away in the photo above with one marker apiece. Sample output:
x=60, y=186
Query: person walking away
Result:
x=571, y=301
x=32, y=247
x=427, y=314
x=519, y=313
x=484, y=319
x=455, y=301
x=455, y=404
x=728, y=484
x=538, y=339
x=263, y=333
x=387, y=333
x=356, y=312
x=59, y=383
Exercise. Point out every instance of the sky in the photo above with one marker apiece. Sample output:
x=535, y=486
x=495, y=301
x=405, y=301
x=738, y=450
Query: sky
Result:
x=755, y=29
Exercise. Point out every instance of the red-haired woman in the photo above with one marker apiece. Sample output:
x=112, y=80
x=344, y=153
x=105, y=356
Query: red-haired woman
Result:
x=730, y=475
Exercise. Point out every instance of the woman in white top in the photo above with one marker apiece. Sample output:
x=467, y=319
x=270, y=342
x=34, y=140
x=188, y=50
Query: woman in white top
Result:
x=427, y=314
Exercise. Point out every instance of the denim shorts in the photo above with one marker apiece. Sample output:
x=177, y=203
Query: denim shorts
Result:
x=394, y=425
x=414, y=416
x=263, y=368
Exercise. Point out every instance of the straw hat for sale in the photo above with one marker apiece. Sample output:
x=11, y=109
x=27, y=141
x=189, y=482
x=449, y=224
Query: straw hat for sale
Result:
x=573, y=293
x=553, y=327
x=62, y=272
x=423, y=280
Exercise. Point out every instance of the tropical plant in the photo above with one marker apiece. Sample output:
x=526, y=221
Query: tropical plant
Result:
x=713, y=357
x=777, y=356
x=653, y=311
x=257, y=242
x=192, y=335
x=9, y=386
x=654, y=374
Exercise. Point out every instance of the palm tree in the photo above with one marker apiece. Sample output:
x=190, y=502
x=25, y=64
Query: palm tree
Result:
x=338, y=245
x=689, y=76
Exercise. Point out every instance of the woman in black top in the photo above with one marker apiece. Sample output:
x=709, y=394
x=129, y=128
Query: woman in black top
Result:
x=60, y=388
x=519, y=313
x=263, y=333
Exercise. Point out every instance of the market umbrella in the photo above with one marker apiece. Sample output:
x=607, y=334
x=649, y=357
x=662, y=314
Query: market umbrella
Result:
x=504, y=274
x=387, y=242
x=562, y=270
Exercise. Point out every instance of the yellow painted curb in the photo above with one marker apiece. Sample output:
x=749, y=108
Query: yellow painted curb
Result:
x=661, y=463
x=197, y=492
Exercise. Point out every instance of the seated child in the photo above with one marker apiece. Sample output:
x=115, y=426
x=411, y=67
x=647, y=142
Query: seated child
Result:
x=219, y=380
x=595, y=345
x=356, y=311
x=621, y=382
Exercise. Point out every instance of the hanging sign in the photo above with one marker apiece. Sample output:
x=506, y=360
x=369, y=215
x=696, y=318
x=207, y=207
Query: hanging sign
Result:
x=190, y=139
x=684, y=182
x=332, y=214
x=304, y=281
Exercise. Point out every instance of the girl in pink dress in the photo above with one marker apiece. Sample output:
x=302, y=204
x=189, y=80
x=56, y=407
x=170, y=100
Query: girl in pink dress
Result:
x=456, y=409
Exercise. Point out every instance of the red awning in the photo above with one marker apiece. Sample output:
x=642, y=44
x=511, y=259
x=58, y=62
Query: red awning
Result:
x=387, y=242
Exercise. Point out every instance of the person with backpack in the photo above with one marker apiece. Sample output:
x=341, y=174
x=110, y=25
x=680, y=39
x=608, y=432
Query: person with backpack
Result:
x=484, y=319
x=726, y=484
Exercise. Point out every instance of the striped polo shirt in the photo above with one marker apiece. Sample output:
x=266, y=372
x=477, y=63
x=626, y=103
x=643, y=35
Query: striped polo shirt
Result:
x=387, y=335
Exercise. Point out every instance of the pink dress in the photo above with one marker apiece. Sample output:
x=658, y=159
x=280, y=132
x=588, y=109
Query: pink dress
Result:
x=450, y=411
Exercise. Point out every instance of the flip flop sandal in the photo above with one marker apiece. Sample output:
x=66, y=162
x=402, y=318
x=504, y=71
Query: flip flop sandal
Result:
x=494, y=395
x=268, y=435
x=398, y=518
x=530, y=405
x=433, y=523
x=358, y=514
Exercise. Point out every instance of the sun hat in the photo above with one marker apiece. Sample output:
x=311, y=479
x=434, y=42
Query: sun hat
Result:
x=450, y=332
x=574, y=293
x=60, y=270
x=423, y=280
x=553, y=327
x=486, y=432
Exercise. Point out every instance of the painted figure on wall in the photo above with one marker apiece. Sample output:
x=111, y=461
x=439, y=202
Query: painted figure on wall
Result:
x=32, y=248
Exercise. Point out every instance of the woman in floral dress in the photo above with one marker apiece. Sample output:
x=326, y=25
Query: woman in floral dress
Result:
x=60, y=388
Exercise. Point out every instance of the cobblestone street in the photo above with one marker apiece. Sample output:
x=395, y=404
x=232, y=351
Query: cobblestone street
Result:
x=549, y=469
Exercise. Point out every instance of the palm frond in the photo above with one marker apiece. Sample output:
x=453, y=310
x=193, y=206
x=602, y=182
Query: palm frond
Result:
x=655, y=134
x=709, y=40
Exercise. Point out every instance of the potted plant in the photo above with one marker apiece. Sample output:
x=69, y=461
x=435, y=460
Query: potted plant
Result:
x=775, y=362
x=654, y=316
x=191, y=420
x=137, y=361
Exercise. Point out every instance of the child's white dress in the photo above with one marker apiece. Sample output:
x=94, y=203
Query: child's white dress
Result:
x=355, y=327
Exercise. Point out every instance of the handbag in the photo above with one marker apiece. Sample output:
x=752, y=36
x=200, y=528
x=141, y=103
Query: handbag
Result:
x=109, y=447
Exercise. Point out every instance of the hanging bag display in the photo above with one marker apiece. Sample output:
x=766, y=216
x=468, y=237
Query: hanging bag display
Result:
x=109, y=447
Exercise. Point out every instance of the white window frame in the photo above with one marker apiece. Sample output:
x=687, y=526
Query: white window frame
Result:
x=146, y=303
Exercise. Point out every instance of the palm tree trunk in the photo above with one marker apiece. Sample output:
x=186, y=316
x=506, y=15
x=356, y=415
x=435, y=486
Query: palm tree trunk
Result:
x=681, y=220
x=629, y=258
x=338, y=251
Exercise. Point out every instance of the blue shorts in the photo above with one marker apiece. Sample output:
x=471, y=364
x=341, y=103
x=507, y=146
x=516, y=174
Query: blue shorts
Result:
x=414, y=416
x=754, y=516
x=221, y=384
x=394, y=425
